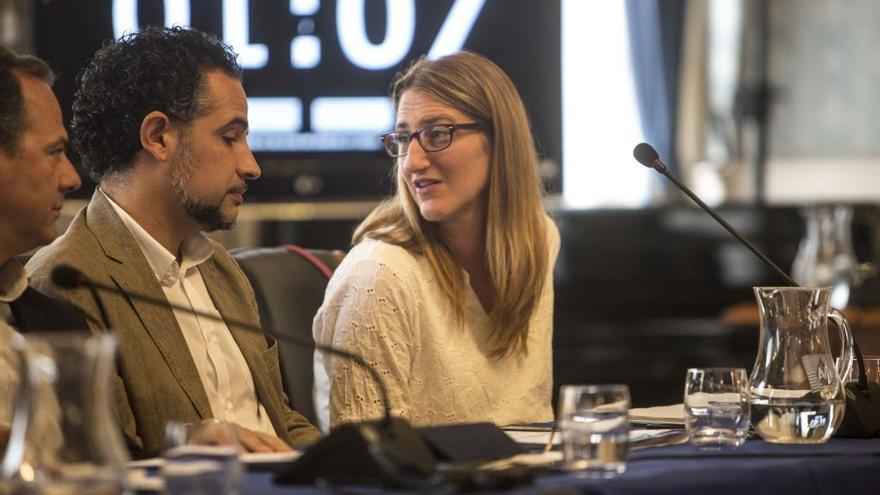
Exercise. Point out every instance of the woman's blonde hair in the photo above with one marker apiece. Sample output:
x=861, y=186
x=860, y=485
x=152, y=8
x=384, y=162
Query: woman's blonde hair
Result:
x=516, y=242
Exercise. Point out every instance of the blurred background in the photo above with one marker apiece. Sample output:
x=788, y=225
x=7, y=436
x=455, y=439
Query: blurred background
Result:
x=765, y=108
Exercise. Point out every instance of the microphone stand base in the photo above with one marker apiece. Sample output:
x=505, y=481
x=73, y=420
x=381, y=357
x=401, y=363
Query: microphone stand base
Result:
x=368, y=453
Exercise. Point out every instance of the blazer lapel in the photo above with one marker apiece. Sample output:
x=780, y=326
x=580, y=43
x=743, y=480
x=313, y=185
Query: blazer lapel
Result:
x=131, y=272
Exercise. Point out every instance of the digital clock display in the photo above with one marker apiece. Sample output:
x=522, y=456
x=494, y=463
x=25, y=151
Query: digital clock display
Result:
x=317, y=71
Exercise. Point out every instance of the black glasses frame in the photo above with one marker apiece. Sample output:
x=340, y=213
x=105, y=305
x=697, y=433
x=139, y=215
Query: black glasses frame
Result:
x=418, y=135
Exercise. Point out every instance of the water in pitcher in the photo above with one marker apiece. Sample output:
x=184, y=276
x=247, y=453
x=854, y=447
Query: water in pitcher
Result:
x=796, y=421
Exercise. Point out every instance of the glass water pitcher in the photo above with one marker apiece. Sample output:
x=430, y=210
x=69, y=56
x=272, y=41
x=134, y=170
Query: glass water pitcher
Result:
x=64, y=438
x=796, y=389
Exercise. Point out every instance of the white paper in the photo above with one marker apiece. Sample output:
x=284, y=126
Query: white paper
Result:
x=152, y=462
x=140, y=479
x=672, y=414
x=536, y=459
x=541, y=437
x=269, y=457
x=245, y=458
x=532, y=437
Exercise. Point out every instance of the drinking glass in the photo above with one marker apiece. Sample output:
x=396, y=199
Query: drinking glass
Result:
x=594, y=429
x=201, y=459
x=716, y=405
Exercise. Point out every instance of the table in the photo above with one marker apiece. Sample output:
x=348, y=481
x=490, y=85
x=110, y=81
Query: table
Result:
x=841, y=466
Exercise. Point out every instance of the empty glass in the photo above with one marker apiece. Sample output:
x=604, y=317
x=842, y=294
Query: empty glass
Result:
x=716, y=406
x=594, y=428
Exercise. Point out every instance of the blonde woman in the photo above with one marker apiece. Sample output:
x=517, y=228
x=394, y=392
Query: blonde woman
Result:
x=448, y=291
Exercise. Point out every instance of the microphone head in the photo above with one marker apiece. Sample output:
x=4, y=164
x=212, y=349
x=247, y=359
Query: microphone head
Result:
x=645, y=154
x=67, y=277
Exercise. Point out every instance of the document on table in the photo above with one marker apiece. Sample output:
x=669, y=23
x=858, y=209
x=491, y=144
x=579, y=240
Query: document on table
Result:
x=638, y=437
x=531, y=437
x=256, y=458
x=143, y=474
x=246, y=458
x=672, y=414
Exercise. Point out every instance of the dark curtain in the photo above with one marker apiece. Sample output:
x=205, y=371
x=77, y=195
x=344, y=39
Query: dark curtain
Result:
x=655, y=34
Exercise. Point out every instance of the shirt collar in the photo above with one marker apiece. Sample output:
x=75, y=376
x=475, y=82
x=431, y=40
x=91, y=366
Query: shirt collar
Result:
x=13, y=281
x=195, y=249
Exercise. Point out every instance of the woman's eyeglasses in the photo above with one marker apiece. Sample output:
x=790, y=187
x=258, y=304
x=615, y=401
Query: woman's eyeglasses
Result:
x=434, y=137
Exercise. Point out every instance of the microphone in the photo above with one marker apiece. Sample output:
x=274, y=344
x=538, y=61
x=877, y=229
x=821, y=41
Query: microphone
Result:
x=389, y=450
x=862, y=398
x=645, y=154
x=68, y=277
x=648, y=156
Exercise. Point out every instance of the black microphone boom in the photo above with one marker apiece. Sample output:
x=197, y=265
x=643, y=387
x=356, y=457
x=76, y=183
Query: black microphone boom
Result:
x=69, y=277
x=388, y=451
x=862, y=417
x=645, y=154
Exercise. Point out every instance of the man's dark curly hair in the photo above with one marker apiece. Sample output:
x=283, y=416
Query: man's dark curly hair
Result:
x=12, y=111
x=156, y=69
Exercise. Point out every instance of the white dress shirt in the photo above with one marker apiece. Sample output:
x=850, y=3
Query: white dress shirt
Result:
x=224, y=372
x=13, y=282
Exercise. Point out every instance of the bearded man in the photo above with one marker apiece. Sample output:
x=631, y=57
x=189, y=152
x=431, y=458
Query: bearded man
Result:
x=160, y=122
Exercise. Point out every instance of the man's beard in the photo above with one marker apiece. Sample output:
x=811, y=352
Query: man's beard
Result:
x=208, y=216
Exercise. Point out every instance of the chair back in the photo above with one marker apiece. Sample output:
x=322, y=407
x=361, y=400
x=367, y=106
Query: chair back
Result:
x=289, y=283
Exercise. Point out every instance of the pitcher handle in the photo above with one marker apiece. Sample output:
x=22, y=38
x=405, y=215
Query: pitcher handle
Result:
x=844, y=365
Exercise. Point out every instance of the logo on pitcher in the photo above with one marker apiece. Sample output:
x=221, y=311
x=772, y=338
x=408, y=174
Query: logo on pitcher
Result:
x=820, y=372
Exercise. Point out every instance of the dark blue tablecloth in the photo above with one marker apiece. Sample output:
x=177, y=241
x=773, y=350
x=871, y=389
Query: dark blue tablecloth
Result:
x=841, y=466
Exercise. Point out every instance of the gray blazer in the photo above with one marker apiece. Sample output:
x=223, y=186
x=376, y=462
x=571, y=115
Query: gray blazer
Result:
x=157, y=379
